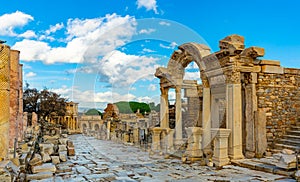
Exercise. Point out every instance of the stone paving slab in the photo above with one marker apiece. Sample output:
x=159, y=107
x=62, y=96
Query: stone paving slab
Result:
x=102, y=160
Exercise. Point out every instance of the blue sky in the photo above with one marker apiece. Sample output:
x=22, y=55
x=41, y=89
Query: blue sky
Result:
x=100, y=51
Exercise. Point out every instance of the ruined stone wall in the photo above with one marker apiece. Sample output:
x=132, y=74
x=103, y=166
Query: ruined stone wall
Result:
x=278, y=94
x=4, y=98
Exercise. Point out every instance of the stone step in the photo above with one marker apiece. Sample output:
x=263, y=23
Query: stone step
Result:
x=283, y=146
x=293, y=132
x=294, y=142
x=291, y=137
x=297, y=127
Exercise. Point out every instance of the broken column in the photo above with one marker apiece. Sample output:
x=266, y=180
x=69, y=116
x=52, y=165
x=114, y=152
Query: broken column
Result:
x=4, y=97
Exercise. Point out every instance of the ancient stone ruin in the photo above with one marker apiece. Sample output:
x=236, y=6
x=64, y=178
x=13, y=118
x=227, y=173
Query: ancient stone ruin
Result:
x=243, y=106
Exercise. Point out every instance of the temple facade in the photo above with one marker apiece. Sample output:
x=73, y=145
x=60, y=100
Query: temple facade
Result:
x=243, y=105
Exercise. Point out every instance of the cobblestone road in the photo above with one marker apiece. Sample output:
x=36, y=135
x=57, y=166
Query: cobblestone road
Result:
x=99, y=160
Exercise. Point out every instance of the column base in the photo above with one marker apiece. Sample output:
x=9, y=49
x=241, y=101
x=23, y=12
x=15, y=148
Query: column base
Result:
x=220, y=161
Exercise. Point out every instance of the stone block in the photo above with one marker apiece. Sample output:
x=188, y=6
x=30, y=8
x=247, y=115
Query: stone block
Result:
x=39, y=176
x=36, y=160
x=272, y=69
x=70, y=143
x=63, y=156
x=46, y=157
x=62, y=148
x=55, y=159
x=270, y=62
x=47, y=167
x=63, y=141
x=71, y=151
x=47, y=148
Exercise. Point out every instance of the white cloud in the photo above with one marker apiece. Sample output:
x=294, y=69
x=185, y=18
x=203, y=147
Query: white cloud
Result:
x=30, y=74
x=86, y=40
x=147, y=31
x=152, y=87
x=172, y=45
x=148, y=4
x=90, y=96
x=54, y=28
x=8, y=22
x=163, y=23
x=28, y=34
x=123, y=70
x=148, y=50
x=192, y=76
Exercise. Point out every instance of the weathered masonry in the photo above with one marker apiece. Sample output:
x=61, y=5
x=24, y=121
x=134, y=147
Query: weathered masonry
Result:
x=242, y=106
x=11, y=100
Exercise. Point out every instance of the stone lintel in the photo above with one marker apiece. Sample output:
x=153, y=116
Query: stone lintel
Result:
x=272, y=69
x=270, y=62
x=293, y=71
x=247, y=69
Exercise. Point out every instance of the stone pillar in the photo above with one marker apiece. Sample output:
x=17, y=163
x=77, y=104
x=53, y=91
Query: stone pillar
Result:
x=194, y=150
x=170, y=140
x=220, y=157
x=156, y=139
x=234, y=120
x=4, y=97
x=34, y=119
x=25, y=120
x=14, y=97
x=164, y=108
x=136, y=136
x=206, y=120
x=260, y=132
x=178, y=117
x=20, y=118
x=108, y=130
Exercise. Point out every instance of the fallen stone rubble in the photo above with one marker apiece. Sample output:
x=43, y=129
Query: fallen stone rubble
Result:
x=44, y=147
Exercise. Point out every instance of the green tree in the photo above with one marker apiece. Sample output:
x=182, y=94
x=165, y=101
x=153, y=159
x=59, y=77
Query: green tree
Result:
x=132, y=107
x=45, y=103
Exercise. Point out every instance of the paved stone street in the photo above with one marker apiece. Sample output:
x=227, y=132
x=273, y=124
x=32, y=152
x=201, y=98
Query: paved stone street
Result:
x=100, y=160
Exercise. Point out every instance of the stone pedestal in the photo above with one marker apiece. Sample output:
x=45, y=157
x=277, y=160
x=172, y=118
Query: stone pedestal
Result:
x=170, y=140
x=194, y=150
x=156, y=139
x=220, y=157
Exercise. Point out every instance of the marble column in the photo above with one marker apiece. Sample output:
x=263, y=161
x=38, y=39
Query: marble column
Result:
x=108, y=130
x=178, y=116
x=206, y=120
x=234, y=120
x=164, y=108
x=220, y=156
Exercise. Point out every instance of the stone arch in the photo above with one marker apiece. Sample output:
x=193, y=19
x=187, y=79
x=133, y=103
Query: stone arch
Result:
x=172, y=77
x=96, y=127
